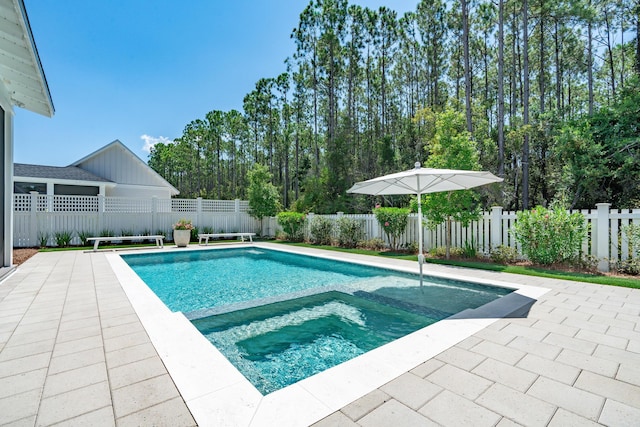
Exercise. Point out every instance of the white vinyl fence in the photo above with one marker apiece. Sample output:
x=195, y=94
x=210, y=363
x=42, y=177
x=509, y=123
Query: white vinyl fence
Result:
x=38, y=216
x=605, y=240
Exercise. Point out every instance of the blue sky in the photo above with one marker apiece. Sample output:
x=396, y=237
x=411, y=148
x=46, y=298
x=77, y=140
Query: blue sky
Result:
x=139, y=71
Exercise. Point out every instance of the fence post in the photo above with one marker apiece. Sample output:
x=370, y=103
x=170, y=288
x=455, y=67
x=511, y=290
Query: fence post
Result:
x=236, y=209
x=101, y=209
x=154, y=214
x=307, y=225
x=496, y=227
x=374, y=226
x=33, y=218
x=602, y=235
x=198, y=223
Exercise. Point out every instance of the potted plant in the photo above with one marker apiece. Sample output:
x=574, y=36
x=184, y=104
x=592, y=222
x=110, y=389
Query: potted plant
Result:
x=182, y=232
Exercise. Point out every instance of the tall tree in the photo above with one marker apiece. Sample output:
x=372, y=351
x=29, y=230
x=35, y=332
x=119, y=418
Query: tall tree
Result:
x=525, y=100
x=263, y=196
x=467, y=68
x=451, y=148
x=501, y=88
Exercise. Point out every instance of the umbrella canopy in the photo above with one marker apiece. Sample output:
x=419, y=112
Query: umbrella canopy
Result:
x=419, y=181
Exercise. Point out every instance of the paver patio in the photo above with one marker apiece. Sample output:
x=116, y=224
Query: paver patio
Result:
x=74, y=352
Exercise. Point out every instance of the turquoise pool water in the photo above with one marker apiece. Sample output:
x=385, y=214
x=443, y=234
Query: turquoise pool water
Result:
x=193, y=281
x=281, y=317
x=279, y=344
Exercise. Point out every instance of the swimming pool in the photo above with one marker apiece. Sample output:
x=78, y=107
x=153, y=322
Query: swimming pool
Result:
x=214, y=389
x=281, y=317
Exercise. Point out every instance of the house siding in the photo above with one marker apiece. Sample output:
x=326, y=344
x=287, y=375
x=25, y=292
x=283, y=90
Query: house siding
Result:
x=131, y=191
x=117, y=165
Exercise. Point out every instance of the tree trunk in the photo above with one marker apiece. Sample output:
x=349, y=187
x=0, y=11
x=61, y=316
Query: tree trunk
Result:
x=558, y=71
x=515, y=65
x=590, y=59
x=622, y=55
x=612, y=73
x=316, y=166
x=525, y=145
x=541, y=81
x=501, y=89
x=448, y=238
x=467, y=71
x=637, y=15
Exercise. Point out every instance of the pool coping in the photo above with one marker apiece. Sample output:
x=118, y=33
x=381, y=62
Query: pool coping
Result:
x=214, y=389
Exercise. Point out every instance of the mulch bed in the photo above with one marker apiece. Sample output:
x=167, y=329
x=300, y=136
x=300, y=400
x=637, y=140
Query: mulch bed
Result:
x=20, y=255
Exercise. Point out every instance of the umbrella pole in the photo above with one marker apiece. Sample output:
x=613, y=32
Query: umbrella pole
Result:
x=420, y=255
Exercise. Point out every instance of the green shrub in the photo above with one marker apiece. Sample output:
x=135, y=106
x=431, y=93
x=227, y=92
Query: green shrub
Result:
x=106, y=233
x=469, y=249
x=587, y=262
x=504, y=255
x=63, y=238
x=632, y=234
x=350, y=232
x=411, y=247
x=321, y=229
x=292, y=224
x=194, y=234
x=393, y=222
x=43, y=238
x=207, y=230
x=441, y=252
x=127, y=232
x=549, y=236
x=631, y=265
x=628, y=266
x=375, y=244
x=83, y=236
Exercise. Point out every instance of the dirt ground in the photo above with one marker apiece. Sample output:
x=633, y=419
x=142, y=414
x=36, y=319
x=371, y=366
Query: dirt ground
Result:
x=20, y=255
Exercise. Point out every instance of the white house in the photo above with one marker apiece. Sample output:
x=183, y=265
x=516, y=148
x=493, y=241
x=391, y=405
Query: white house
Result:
x=112, y=171
x=22, y=84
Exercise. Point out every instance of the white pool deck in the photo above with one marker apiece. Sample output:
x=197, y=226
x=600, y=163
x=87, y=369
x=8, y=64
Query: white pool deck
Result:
x=84, y=342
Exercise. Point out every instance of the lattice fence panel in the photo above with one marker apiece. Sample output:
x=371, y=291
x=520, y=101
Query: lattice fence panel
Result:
x=127, y=205
x=218, y=206
x=243, y=206
x=74, y=203
x=184, y=205
x=22, y=202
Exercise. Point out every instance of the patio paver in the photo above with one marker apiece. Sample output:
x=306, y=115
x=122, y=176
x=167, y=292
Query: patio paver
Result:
x=73, y=351
x=69, y=335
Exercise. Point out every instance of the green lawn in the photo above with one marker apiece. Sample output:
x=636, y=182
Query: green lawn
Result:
x=514, y=269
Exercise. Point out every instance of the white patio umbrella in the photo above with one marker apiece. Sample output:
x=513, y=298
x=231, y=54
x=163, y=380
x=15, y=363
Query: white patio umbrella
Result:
x=419, y=181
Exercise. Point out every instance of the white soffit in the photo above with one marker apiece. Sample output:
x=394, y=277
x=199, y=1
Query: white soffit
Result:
x=20, y=68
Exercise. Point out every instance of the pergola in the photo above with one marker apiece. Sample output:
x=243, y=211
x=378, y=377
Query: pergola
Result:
x=22, y=84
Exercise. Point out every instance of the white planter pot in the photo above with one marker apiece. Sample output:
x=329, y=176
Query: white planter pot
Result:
x=181, y=237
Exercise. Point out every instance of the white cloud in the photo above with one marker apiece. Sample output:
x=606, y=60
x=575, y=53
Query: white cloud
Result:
x=150, y=141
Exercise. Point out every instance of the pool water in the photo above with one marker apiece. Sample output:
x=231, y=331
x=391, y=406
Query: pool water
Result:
x=282, y=343
x=193, y=281
x=282, y=317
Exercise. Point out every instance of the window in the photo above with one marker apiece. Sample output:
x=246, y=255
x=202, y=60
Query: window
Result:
x=75, y=190
x=27, y=187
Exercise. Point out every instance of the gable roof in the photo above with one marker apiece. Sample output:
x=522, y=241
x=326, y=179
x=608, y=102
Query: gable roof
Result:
x=21, y=70
x=54, y=172
x=117, y=145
